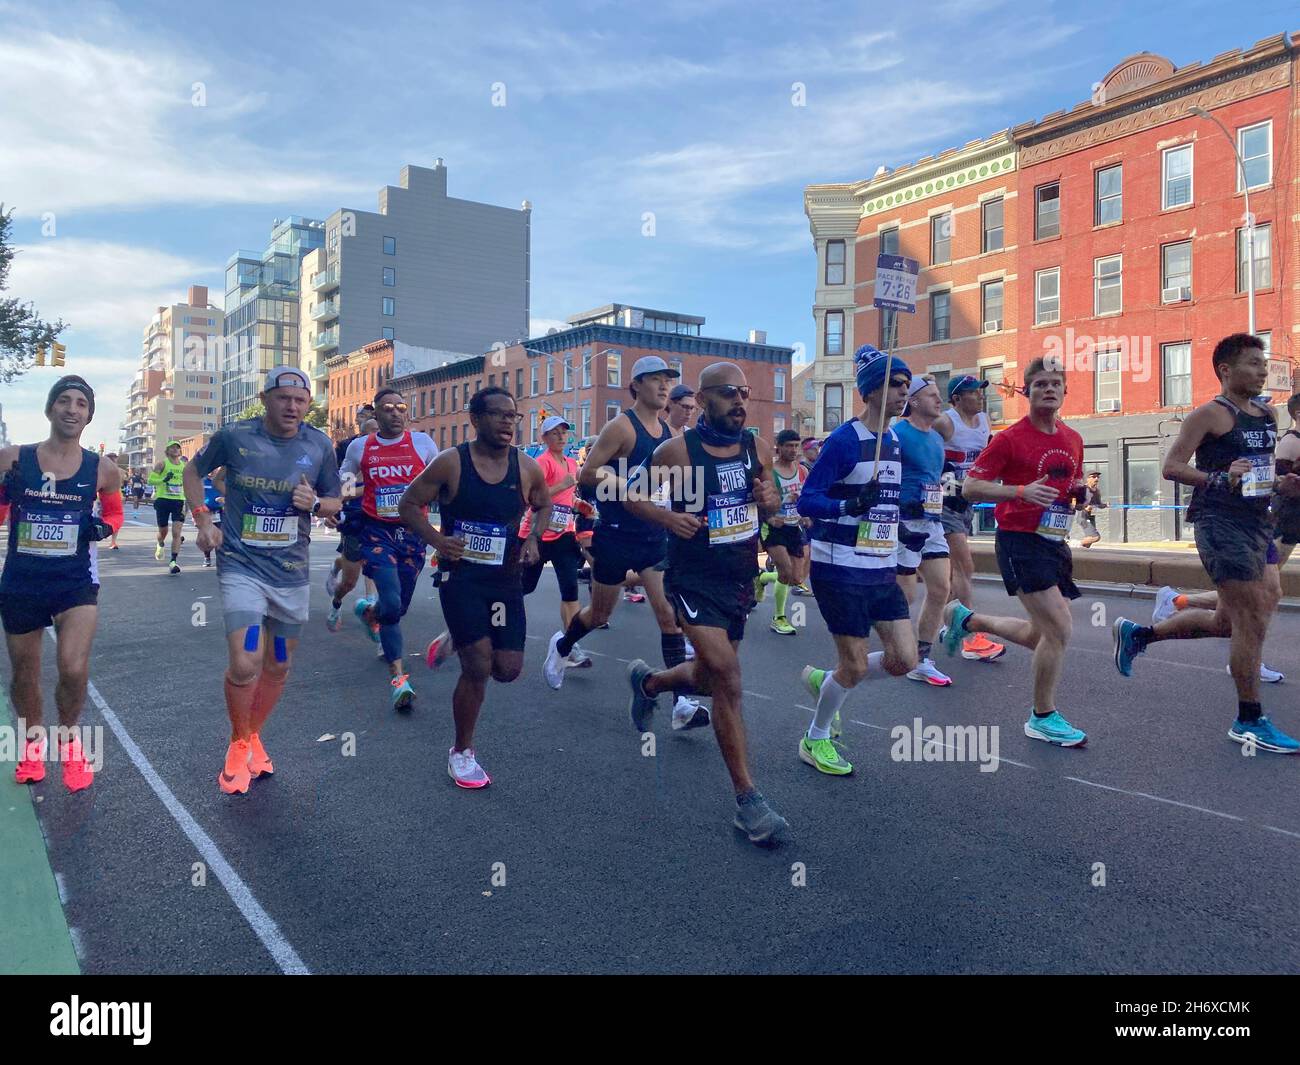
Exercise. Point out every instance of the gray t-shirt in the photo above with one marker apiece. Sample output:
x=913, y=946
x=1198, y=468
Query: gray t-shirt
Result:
x=264, y=536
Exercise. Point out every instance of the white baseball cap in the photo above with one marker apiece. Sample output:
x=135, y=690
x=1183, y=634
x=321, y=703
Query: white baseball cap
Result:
x=285, y=377
x=652, y=364
x=554, y=422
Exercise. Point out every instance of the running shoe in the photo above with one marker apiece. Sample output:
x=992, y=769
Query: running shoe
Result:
x=1268, y=676
x=1124, y=637
x=77, y=775
x=687, y=713
x=1266, y=735
x=31, y=770
x=463, y=768
x=1164, y=608
x=782, y=627
x=332, y=583
x=371, y=627
x=173, y=567
x=690, y=649
x=158, y=553
x=756, y=818
x=1054, y=729
x=578, y=659
x=259, y=762
x=115, y=547
x=954, y=624
x=440, y=648
x=553, y=667
x=822, y=756
x=207, y=561
x=760, y=590
x=926, y=672
x=812, y=678
x=641, y=706
x=403, y=693
x=980, y=648
x=334, y=618
x=634, y=597
x=801, y=589
x=234, y=776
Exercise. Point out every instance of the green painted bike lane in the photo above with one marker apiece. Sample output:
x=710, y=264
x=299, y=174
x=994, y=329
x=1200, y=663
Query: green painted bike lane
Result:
x=34, y=937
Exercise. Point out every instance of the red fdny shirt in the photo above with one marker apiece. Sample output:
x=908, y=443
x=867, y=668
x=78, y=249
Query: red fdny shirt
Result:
x=1020, y=455
x=386, y=470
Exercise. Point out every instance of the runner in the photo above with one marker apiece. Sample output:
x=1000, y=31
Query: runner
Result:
x=385, y=464
x=853, y=497
x=1232, y=438
x=346, y=571
x=51, y=573
x=169, y=502
x=1092, y=502
x=623, y=542
x=811, y=449
x=783, y=532
x=1039, y=461
x=921, y=541
x=213, y=487
x=965, y=430
x=720, y=492
x=481, y=489
x=681, y=408
x=137, y=491
x=279, y=471
x=559, y=543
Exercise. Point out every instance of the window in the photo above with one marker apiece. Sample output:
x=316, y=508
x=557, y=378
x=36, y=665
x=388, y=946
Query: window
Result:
x=834, y=333
x=532, y=378
x=888, y=322
x=1177, y=182
x=568, y=373
x=453, y=436
x=1176, y=374
x=991, y=212
x=1047, y=296
x=453, y=399
x=940, y=238
x=889, y=241
x=584, y=419
x=1263, y=258
x=1047, y=211
x=1107, y=380
x=442, y=402
x=532, y=422
x=993, y=394
x=941, y=378
x=809, y=390
x=778, y=387
x=1176, y=272
x=550, y=375
x=1108, y=285
x=611, y=412
x=478, y=387
x=940, y=314
x=492, y=380
x=991, y=306
x=832, y=407
x=1141, y=475
x=390, y=305
x=390, y=277
x=519, y=383
x=388, y=333
x=676, y=364
x=1108, y=195
x=1255, y=143
x=464, y=431
x=390, y=245
x=586, y=368
x=442, y=437
x=835, y=262
x=778, y=424
x=464, y=395
x=613, y=369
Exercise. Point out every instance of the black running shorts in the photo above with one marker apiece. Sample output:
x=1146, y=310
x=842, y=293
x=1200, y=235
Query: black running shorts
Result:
x=474, y=609
x=169, y=510
x=788, y=536
x=711, y=604
x=1032, y=563
x=851, y=609
x=23, y=613
x=565, y=558
x=616, y=552
x=1232, y=549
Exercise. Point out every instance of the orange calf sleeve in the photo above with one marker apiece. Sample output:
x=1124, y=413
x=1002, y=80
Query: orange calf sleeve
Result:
x=239, y=705
x=267, y=695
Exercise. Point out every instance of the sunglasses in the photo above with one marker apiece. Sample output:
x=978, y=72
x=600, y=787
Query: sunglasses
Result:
x=389, y=408
x=729, y=391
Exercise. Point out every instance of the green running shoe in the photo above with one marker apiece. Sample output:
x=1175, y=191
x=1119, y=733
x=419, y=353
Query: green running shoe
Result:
x=822, y=756
x=782, y=627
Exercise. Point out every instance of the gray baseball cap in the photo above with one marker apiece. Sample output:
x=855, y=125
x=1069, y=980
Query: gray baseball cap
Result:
x=554, y=422
x=285, y=377
x=652, y=364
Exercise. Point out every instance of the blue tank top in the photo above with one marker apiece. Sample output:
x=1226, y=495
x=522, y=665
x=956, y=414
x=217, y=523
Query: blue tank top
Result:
x=922, y=469
x=1252, y=437
x=612, y=511
x=48, y=549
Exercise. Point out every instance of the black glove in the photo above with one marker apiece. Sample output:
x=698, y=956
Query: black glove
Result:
x=13, y=482
x=95, y=529
x=867, y=497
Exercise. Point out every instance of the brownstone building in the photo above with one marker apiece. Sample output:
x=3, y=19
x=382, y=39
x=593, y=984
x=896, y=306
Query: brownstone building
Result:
x=352, y=380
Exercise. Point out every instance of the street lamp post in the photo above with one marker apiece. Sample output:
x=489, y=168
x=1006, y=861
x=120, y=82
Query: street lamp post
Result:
x=550, y=357
x=1200, y=112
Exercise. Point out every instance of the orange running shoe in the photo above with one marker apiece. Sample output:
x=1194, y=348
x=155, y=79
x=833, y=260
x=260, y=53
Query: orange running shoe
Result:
x=234, y=776
x=31, y=770
x=980, y=647
x=77, y=775
x=259, y=761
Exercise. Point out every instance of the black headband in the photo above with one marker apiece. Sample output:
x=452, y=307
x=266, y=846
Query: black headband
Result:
x=71, y=383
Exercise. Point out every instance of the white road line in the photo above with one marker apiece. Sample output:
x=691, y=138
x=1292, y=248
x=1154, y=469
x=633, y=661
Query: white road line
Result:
x=77, y=945
x=1156, y=798
x=758, y=695
x=1163, y=661
x=1283, y=831
x=62, y=885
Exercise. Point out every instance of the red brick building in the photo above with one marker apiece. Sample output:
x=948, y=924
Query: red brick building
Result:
x=352, y=380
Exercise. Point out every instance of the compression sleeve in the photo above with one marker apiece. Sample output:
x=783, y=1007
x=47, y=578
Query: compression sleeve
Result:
x=111, y=511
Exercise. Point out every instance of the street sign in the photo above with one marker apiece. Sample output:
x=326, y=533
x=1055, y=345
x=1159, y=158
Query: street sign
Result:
x=896, y=283
x=1279, y=375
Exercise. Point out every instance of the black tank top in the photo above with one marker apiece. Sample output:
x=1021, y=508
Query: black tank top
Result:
x=612, y=511
x=48, y=550
x=1253, y=437
x=486, y=516
x=726, y=548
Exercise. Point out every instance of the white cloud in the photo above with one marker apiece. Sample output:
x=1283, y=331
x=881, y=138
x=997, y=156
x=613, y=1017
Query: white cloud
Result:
x=539, y=327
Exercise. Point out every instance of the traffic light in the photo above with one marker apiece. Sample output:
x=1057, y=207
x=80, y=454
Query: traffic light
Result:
x=40, y=354
x=60, y=354
x=541, y=417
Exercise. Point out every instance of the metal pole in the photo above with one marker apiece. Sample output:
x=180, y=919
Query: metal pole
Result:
x=884, y=397
x=1250, y=219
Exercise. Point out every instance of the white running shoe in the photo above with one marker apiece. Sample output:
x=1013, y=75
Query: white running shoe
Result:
x=687, y=713
x=926, y=672
x=553, y=667
x=332, y=582
x=1268, y=676
x=1164, y=608
x=463, y=768
x=690, y=649
x=578, y=659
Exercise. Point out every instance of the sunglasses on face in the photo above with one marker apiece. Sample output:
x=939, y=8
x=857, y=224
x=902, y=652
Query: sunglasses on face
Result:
x=729, y=391
x=389, y=408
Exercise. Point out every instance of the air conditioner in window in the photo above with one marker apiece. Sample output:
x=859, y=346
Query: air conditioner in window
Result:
x=1177, y=294
x=993, y=325
x=1107, y=405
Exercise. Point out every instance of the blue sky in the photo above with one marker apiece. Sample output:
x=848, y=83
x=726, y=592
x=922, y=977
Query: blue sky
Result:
x=682, y=108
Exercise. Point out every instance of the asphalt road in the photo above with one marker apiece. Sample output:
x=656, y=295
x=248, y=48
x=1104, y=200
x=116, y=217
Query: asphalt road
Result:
x=615, y=861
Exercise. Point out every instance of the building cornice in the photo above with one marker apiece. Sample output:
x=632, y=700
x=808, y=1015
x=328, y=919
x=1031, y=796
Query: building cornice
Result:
x=938, y=175
x=651, y=340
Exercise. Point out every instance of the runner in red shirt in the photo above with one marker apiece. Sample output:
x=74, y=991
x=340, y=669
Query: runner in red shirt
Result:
x=1039, y=462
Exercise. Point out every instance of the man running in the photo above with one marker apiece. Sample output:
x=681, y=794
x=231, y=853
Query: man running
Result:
x=1092, y=502
x=1233, y=438
x=853, y=494
x=346, y=571
x=783, y=532
x=922, y=545
x=137, y=492
x=279, y=472
x=1039, y=462
x=681, y=408
x=51, y=575
x=169, y=502
x=623, y=542
x=384, y=465
x=213, y=487
x=720, y=493
x=481, y=489
x=965, y=430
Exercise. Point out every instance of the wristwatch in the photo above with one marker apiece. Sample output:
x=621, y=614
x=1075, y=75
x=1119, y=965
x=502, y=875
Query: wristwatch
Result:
x=315, y=507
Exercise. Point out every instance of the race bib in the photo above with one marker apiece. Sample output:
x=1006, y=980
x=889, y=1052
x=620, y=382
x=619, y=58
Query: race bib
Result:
x=561, y=518
x=790, y=503
x=1055, y=521
x=733, y=518
x=48, y=533
x=386, y=499
x=485, y=543
x=269, y=527
x=878, y=533
x=932, y=499
x=1258, y=481
x=663, y=496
